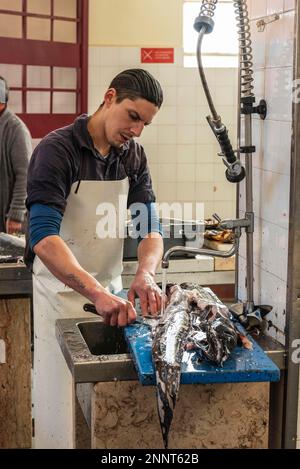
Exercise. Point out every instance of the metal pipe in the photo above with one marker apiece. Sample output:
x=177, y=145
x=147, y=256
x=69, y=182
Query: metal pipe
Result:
x=202, y=251
x=237, y=214
x=249, y=211
x=246, y=90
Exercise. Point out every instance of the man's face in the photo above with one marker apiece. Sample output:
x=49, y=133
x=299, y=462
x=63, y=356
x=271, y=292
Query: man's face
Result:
x=127, y=119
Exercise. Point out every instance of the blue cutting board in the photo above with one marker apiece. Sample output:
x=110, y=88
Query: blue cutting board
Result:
x=242, y=365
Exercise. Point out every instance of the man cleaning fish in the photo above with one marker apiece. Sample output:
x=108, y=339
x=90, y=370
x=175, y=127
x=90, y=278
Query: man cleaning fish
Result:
x=74, y=169
x=93, y=161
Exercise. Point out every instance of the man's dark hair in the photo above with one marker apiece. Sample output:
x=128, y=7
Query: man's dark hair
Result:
x=4, y=91
x=137, y=83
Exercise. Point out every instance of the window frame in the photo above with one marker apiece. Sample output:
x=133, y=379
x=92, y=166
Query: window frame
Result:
x=24, y=52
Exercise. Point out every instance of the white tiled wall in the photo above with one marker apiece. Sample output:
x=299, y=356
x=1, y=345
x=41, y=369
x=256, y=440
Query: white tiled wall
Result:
x=273, y=74
x=273, y=67
x=181, y=149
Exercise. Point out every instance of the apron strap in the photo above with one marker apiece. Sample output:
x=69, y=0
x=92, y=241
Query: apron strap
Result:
x=81, y=171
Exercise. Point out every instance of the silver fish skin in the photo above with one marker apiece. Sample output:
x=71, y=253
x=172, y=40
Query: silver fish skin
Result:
x=169, y=338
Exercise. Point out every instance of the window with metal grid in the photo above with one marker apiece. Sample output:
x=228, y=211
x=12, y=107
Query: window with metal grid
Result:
x=43, y=56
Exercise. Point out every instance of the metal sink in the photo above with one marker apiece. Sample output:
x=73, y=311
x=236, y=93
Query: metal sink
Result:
x=93, y=351
x=102, y=339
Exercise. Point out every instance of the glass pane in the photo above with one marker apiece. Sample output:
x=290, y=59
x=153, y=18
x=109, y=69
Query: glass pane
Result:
x=38, y=28
x=38, y=102
x=13, y=5
x=66, y=8
x=38, y=77
x=211, y=61
x=10, y=26
x=15, y=101
x=64, y=31
x=64, y=77
x=218, y=41
x=219, y=61
x=12, y=74
x=64, y=103
x=37, y=6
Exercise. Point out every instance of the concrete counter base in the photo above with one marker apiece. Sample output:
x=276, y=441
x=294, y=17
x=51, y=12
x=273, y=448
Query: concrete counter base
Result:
x=124, y=415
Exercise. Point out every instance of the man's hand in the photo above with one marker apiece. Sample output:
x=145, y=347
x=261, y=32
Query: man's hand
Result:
x=150, y=252
x=115, y=311
x=13, y=226
x=62, y=263
x=149, y=293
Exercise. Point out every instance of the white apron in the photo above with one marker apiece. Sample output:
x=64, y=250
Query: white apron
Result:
x=53, y=389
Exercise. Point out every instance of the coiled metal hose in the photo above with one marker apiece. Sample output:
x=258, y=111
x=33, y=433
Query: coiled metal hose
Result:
x=246, y=57
x=208, y=8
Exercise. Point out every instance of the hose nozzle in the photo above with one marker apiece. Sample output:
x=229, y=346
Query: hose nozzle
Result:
x=235, y=172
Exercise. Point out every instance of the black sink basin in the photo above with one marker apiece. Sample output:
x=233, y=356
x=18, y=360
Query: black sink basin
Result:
x=102, y=339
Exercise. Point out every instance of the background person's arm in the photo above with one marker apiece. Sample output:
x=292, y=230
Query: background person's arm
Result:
x=20, y=151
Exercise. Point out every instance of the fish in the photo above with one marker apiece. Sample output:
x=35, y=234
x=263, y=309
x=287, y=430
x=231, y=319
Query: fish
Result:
x=212, y=331
x=168, y=339
x=194, y=319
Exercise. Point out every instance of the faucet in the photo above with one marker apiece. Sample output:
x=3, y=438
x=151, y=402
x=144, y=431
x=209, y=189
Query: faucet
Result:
x=195, y=251
x=235, y=225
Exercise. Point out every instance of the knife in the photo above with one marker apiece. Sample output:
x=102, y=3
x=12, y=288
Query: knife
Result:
x=90, y=308
x=146, y=320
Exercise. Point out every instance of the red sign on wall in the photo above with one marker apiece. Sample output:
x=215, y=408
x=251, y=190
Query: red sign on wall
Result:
x=157, y=55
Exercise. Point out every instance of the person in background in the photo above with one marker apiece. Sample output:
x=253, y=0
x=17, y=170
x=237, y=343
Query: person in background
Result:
x=15, y=151
x=74, y=173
